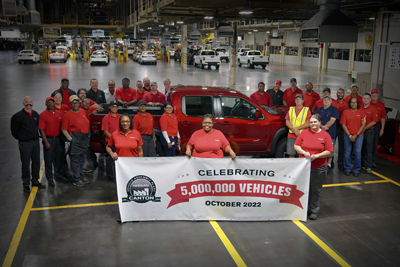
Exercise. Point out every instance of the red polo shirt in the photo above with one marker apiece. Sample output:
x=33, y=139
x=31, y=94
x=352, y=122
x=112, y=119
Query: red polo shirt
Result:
x=208, y=145
x=320, y=103
x=381, y=109
x=347, y=98
x=110, y=123
x=64, y=109
x=157, y=98
x=264, y=99
x=65, y=95
x=289, y=95
x=147, y=89
x=50, y=122
x=88, y=111
x=126, y=146
x=169, y=124
x=127, y=95
x=75, y=122
x=310, y=99
x=371, y=114
x=91, y=103
x=143, y=123
x=141, y=95
x=352, y=120
x=341, y=107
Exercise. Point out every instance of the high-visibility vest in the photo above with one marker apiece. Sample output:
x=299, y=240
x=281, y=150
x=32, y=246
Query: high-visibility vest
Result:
x=298, y=120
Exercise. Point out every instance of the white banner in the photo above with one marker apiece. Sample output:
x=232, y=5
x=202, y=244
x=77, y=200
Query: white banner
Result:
x=179, y=188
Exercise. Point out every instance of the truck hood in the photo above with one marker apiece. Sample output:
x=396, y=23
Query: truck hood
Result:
x=279, y=110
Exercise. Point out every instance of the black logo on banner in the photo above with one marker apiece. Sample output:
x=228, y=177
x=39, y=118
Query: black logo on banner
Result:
x=141, y=189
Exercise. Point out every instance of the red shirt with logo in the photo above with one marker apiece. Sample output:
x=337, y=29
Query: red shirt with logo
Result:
x=169, y=124
x=310, y=99
x=208, y=145
x=155, y=98
x=381, y=110
x=264, y=99
x=63, y=109
x=289, y=95
x=347, y=98
x=89, y=111
x=126, y=96
x=65, y=95
x=352, y=120
x=371, y=114
x=341, y=107
x=75, y=122
x=110, y=123
x=141, y=95
x=126, y=145
x=315, y=143
x=143, y=123
x=50, y=122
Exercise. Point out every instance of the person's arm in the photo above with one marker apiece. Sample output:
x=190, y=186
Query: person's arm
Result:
x=369, y=125
x=113, y=154
x=179, y=138
x=44, y=137
x=231, y=153
x=328, y=124
x=383, y=121
x=300, y=151
x=121, y=103
x=133, y=102
x=165, y=134
x=360, y=130
x=15, y=122
x=289, y=125
x=284, y=103
x=66, y=134
x=189, y=150
x=323, y=154
x=269, y=100
x=107, y=133
x=140, y=151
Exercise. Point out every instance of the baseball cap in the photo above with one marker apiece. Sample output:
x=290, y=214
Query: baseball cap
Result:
x=50, y=98
x=374, y=91
x=328, y=96
x=354, y=84
x=142, y=102
x=113, y=103
x=293, y=80
x=278, y=81
x=64, y=79
x=299, y=95
x=73, y=98
x=153, y=82
x=327, y=89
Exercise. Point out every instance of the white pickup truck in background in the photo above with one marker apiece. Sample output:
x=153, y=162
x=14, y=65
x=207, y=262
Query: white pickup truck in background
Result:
x=206, y=58
x=253, y=58
x=222, y=53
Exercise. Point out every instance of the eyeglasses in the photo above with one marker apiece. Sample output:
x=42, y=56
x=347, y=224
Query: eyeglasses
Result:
x=314, y=122
x=168, y=108
x=75, y=103
x=353, y=103
x=207, y=123
x=125, y=122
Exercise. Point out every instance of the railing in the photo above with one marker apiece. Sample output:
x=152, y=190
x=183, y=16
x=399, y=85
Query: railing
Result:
x=88, y=20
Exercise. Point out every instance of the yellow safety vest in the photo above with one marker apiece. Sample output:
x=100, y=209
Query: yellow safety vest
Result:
x=298, y=120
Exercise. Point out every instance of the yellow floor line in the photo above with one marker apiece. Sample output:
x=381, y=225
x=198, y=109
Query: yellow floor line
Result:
x=319, y=242
x=75, y=206
x=343, y=184
x=385, y=178
x=22, y=222
x=228, y=245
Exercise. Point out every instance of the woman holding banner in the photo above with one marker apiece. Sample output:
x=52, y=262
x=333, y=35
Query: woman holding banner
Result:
x=170, y=138
x=315, y=144
x=208, y=142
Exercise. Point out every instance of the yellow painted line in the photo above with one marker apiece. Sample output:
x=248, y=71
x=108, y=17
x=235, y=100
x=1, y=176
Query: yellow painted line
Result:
x=228, y=245
x=385, y=178
x=75, y=206
x=319, y=242
x=343, y=184
x=22, y=222
x=376, y=182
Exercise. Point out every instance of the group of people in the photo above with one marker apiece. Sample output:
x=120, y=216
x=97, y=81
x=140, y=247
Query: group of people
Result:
x=65, y=130
x=316, y=123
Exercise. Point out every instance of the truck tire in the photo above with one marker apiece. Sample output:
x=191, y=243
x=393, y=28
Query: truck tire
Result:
x=194, y=63
x=263, y=66
x=209, y=67
x=201, y=65
x=239, y=64
x=280, y=149
x=217, y=67
x=227, y=60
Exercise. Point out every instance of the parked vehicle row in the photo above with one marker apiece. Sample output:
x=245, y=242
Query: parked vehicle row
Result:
x=143, y=57
x=28, y=56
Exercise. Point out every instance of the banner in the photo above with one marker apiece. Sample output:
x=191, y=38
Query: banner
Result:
x=51, y=32
x=179, y=188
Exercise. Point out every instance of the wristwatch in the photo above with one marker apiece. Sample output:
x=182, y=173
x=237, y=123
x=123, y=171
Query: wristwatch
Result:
x=349, y=135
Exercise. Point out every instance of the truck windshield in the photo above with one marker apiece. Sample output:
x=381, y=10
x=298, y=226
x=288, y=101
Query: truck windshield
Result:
x=254, y=54
x=208, y=53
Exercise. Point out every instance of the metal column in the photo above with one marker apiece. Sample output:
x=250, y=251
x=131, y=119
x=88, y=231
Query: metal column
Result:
x=184, y=44
x=351, y=57
x=233, y=56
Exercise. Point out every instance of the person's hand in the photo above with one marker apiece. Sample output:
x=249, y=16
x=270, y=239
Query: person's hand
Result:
x=47, y=145
x=307, y=155
x=296, y=131
x=324, y=128
x=188, y=153
x=353, y=138
x=381, y=132
x=155, y=143
x=124, y=104
x=179, y=142
x=314, y=156
x=233, y=155
x=114, y=156
x=169, y=145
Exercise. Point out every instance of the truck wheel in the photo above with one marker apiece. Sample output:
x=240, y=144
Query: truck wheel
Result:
x=280, y=149
x=227, y=60
x=194, y=63
x=389, y=149
x=239, y=64
x=217, y=67
x=263, y=66
x=19, y=62
x=201, y=65
x=209, y=67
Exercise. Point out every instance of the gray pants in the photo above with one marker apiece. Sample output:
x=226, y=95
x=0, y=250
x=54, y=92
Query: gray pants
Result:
x=367, y=156
x=377, y=130
x=148, y=146
x=77, y=161
x=317, y=178
x=29, y=152
x=53, y=157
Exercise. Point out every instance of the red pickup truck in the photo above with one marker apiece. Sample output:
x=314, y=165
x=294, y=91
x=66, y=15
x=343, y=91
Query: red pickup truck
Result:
x=250, y=128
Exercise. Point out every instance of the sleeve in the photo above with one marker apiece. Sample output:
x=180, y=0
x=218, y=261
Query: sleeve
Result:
x=117, y=94
x=65, y=123
x=343, y=118
x=308, y=115
x=104, y=123
x=192, y=140
x=42, y=122
x=224, y=141
x=299, y=139
x=163, y=124
x=135, y=122
x=111, y=141
x=15, y=126
x=287, y=116
x=140, y=141
x=284, y=98
x=92, y=102
x=335, y=113
x=315, y=107
x=328, y=143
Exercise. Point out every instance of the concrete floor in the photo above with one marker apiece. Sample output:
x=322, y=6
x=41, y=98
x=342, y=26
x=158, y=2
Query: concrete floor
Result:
x=359, y=222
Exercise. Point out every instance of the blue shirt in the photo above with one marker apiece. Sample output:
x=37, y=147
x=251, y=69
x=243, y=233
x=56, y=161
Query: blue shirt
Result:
x=326, y=115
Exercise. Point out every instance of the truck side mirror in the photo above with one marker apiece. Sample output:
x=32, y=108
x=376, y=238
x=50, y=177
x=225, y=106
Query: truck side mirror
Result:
x=258, y=113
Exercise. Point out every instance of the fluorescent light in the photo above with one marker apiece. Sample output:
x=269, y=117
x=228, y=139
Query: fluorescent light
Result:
x=372, y=18
x=250, y=32
x=255, y=30
x=161, y=26
x=179, y=22
x=268, y=31
x=149, y=28
x=208, y=17
x=245, y=12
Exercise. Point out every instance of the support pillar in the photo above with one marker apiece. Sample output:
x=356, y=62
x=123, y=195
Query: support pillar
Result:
x=267, y=45
x=233, y=56
x=184, y=44
x=325, y=56
x=283, y=48
x=299, y=54
x=351, y=57
x=29, y=41
x=320, y=55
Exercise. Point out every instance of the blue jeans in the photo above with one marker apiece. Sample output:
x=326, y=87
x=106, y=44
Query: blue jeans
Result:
x=356, y=147
x=169, y=152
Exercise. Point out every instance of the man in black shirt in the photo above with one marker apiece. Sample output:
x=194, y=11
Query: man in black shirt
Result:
x=24, y=128
x=96, y=94
x=276, y=94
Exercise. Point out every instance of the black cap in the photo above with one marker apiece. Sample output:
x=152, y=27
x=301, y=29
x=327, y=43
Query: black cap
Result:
x=64, y=79
x=293, y=80
x=113, y=103
x=326, y=89
x=142, y=102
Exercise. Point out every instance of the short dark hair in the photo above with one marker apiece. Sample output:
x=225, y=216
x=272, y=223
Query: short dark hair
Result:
x=208, y=116
x=93, y=79
x=349, y=103
x=126, y=79
x=316, y=116
x=341, y=89
x=261, y=83
x=368, y=94
x=130, y=119
x=81, y=89
x=168, y=103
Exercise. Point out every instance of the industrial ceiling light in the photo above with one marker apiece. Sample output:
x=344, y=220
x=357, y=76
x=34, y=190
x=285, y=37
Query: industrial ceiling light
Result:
x=255, y=30
x=208, y=17
x=372, y=18
x=250, y=32
x=268, y=31
x=179, y=22
x=161, y=26
x=246, y=11
x=149, y=28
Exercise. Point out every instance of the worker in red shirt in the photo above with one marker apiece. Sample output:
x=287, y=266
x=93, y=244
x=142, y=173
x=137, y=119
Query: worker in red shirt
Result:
x=310, y=97
x=354, y=93
x=168, y=89
x=53, y=149
x=261, y=97
x=290, y=93
x=170, y=138
x=146, y=84
x=125, y=95
x=109, y=125
x=140, y=93
x=379, y=127
x=82, y=94
x=371, y=118
x=320, y=103
x=59, y=105
x=342, y=106
x=65, y=91
x=154, y=98
x=208, y=142
x=143, y=122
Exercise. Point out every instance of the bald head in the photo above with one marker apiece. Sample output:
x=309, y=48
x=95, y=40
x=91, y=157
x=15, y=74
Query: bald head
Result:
x=27, y=102
x=146, y=81
x=167, y=82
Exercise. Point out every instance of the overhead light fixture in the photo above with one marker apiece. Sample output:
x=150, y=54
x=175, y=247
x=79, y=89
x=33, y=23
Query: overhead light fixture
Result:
x=179, y=22
x=208, y=17
x=372, y=18
x=268, y=31
x=255, y=30
x=246, y=12
x=149, y=28
x=161, y=26
x=250, y=32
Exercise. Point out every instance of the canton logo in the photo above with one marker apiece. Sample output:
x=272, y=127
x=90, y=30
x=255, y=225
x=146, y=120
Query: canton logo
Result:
x=141, y=189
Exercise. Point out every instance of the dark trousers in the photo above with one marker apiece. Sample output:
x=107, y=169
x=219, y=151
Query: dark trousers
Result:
x=77, y=161
x=339, y=136
x=368, y=148
x=169, y=152
x=90, y=159
x=53, y=158
x=377, y=130
x=29, y=152
x=110, y=168
x=148, y=146
x=317, y=178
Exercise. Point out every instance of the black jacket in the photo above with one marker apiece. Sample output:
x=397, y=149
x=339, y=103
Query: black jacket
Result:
x=278, y=100
x=25, y=127
x=59, y=90
x=99, y=97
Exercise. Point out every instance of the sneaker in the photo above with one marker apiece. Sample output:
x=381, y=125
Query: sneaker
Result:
x=347, y=173
x=85, y=180
x=341, y=167
x=27, y=189
x=79, y=183
x=40, y=185
x=51, y=183
x=62, y=179
x=369, y=170
x=87, y=170
x=313, y=216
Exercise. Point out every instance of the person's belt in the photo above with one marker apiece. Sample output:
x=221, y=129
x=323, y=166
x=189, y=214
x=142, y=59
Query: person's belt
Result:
x=52, y=137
